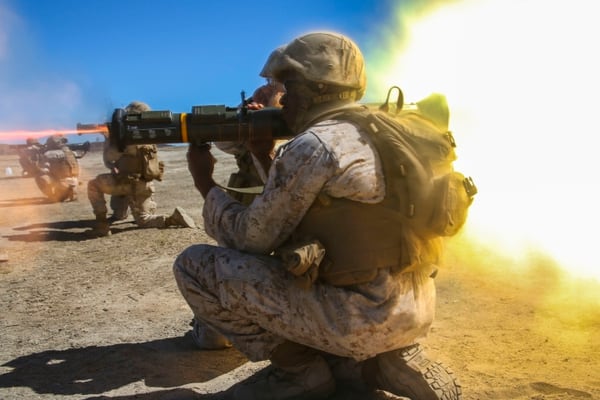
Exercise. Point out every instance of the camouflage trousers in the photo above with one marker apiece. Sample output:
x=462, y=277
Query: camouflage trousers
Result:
x=140, y=195
x=256, y=304
x=57, y=189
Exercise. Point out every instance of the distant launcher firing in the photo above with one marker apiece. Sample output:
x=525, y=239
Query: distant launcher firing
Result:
x=79, y=149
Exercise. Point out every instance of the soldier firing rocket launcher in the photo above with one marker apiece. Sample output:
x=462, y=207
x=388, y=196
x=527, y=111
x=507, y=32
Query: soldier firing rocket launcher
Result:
x=206, y=123
x=209, y=123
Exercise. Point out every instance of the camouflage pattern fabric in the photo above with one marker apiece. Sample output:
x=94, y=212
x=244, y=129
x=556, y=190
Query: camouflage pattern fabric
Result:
x=139, y=193
x=249, y=296
x=57, y=190
x=58, y=174
x=126, y=187
x=29, y=159
x=256, y=304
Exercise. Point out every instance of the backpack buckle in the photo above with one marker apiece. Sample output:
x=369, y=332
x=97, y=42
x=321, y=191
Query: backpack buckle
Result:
x=450, y=137
x=470, y=186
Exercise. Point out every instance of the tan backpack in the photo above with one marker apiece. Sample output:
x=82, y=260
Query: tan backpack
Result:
x=62, y=163
x=152, y=167
x=432, y=197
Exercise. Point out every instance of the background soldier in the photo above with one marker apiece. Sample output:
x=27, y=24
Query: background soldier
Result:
x=132, y=176
x=29, y=157
x=58, y=173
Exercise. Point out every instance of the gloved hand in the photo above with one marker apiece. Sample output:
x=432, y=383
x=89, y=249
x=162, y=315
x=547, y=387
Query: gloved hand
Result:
x=201, y=165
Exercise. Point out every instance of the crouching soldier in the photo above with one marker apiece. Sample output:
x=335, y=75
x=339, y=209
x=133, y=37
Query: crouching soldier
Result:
x=58, y=170
x=132, y=175
x=314, y=275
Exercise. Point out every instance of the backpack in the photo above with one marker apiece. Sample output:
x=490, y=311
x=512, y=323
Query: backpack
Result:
x=152, y=167
x=61, y=163
x=432, y=196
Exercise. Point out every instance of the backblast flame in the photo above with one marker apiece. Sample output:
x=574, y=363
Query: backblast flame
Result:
x=521, y=85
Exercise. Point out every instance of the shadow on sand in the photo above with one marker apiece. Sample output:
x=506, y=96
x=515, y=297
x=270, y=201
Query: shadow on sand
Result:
x=62, y=231
x=165, y=363
x=94, y=370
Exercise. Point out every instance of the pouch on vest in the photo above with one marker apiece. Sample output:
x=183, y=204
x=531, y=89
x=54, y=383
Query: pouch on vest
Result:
x=302, y=260
x=152, y=168
x=62, y=164
x=449, y=211
x=442, y=211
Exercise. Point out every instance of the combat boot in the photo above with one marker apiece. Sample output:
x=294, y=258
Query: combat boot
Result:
x=408, y=372
x=180, y=218
x=207, y=338
x=101, y=227
x=71, y=194
x=296, y=373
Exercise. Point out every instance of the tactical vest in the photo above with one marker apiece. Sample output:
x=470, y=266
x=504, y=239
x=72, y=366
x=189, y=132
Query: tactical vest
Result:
x=62, y=162
x=361, y=238
x=141, y=162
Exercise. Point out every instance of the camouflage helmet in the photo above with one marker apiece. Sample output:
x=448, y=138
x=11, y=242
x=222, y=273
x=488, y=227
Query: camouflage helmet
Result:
x=31, y=141
x=275, y=55
x=56, y=141
x=137, y=107
x=322, y=57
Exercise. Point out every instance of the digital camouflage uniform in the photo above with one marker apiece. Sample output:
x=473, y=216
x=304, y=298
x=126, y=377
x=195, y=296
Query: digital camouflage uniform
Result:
x=58, y=174
x=139, y=193
x=118, y=204
x=29, y=157
x=314, y=330
x=252, y=301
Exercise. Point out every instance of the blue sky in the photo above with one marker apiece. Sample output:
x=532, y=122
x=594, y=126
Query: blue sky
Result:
x=68, y=61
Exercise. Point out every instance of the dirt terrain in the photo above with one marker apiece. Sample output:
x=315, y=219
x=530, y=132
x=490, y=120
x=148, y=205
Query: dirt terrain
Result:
x=103, y=319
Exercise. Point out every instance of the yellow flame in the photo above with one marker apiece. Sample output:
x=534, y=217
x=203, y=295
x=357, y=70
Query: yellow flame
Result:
x=521, y=79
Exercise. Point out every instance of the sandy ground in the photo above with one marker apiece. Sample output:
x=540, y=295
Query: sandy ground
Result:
x=103, y=319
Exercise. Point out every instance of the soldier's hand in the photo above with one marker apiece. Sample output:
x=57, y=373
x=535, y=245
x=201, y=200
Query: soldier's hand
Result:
x=201, y=165
x=255, y=106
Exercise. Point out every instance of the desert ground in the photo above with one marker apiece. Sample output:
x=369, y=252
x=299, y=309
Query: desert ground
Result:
x=103, y=319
